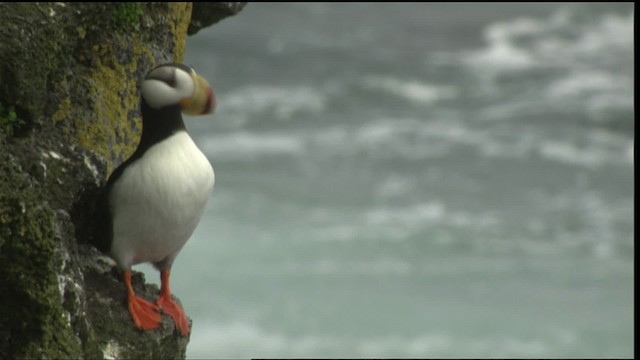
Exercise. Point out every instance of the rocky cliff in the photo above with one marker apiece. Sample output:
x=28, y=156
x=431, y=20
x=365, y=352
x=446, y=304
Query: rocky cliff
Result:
x=69, y=77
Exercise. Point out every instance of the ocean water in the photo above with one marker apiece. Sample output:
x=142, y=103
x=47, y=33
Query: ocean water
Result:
x=415, y=180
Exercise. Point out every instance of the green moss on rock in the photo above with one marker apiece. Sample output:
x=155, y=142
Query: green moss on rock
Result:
x=29, y=252
x=10, y=122
x=127, y=15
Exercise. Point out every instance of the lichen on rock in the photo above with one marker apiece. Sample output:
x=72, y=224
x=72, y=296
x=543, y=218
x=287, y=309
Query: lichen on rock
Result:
x=70, y=72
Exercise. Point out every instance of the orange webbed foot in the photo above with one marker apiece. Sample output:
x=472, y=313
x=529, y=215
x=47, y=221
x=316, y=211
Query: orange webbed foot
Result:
x=144, y=314
x=170, y=307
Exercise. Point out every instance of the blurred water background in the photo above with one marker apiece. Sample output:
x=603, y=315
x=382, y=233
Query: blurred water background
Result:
x=415, y=180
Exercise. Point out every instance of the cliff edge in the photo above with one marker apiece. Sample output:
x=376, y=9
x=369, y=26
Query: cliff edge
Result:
x=69, y=78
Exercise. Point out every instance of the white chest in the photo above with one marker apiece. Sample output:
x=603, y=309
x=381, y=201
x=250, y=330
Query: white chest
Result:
x=158, y=201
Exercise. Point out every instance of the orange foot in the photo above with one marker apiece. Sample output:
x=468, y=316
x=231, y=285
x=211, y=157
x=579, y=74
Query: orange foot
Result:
x=145, y=315
x=170, y=307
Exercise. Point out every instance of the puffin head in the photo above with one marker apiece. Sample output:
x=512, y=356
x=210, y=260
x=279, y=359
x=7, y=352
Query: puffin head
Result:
x=178, y=84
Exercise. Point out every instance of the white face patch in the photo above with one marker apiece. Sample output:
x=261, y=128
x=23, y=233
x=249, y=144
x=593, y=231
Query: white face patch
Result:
x=158, y=93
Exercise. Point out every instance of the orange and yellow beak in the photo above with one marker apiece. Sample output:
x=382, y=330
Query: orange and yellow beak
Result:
x=202, y=101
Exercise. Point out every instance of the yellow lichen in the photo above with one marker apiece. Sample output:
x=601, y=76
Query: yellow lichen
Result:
x=62, y=112
x=182, y=16
x=113, y=131
x=81, y=32
x=113, y=93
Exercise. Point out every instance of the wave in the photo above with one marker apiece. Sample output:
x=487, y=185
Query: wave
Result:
x=432, y=212
x=282, y=102
x=412, y=139
x=412, y=90
x=598, y=152
x=244, y=145
x=330, y=266
x=229, y=340
x=599, y=92
x=562, y=40
x=567, y=61
x=581, y=84
x=393, y=224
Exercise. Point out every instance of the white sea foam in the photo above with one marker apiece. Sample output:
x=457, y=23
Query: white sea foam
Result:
x=598, y=90
x=422, y=345
x=408, y=139
x=501, y=52
x=559, y=41
x=413, y=90
x=598, y=148
x=243, y=145
x=412, y=138
x=571, y=154
x=385, y=266
x=284, y=102
x=415, y=139
x=609, y=36
x=423, y=140
x=229, y=340
x=395, y=185
x=584, y=83
x=419, y=215
x=442, y=344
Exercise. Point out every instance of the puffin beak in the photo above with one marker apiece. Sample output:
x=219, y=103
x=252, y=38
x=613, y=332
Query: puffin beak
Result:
x=202, y=101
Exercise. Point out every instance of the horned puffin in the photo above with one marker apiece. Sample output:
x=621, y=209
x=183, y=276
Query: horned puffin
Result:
x=153, y=201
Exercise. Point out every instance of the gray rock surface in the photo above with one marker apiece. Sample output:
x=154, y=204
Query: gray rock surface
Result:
x=207, y=14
